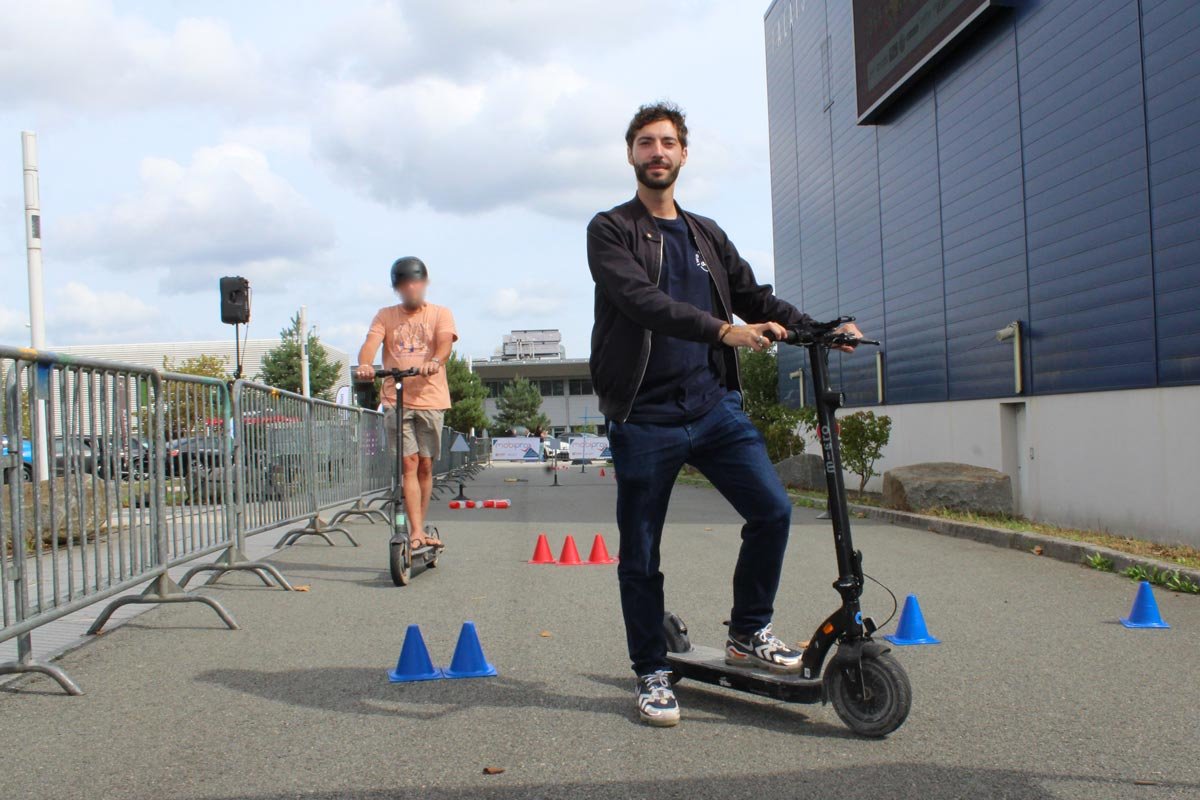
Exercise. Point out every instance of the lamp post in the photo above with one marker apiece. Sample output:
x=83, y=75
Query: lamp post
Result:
x=37, y=305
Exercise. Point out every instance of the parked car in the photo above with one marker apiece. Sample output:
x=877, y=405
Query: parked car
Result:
x=191, y=452
x=554, y=448
x=94, y=455
x=26, y=456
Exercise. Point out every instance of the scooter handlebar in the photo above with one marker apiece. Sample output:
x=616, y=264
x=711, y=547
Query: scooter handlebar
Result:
x=385, y=372
x=825, y=333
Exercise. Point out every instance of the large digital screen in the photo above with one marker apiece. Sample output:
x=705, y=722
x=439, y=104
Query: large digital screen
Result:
x=897, y=40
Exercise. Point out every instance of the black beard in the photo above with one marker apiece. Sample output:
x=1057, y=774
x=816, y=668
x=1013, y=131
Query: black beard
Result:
x=642, y=173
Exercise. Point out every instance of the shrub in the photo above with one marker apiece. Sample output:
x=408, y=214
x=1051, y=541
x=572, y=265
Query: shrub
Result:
x=863, y=436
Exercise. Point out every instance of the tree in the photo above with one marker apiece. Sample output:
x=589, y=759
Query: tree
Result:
x=863, y=437
x=466, y=396
x=281, y=364
x=520, y=406
x=760, y=392
x=189, y=407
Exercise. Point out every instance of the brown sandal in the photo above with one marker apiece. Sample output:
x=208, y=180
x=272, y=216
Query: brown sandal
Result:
x=416, y=541
x=431, y=536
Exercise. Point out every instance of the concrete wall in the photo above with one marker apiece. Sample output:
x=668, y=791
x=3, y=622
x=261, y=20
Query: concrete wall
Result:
x=565, y=411
x=1124, y=461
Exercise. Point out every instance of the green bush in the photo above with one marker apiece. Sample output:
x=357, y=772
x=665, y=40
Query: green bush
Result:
x=760, y=395
x=863, y=436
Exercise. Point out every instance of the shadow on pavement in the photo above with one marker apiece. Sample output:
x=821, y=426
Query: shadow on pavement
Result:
x=736, y=709
x=356, y=690
x=899, y=780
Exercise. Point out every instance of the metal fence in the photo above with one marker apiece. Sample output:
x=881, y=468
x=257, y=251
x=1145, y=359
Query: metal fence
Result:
x=146, y=470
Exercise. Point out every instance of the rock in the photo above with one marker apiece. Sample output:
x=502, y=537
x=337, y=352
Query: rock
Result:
x=71, y=520
x=803, y=471
x=958, y=487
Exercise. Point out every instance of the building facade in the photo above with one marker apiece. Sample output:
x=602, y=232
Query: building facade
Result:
x=1021, y=230
x=564, y=383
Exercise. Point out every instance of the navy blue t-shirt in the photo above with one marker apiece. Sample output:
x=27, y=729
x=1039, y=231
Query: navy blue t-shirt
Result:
x=681, y=382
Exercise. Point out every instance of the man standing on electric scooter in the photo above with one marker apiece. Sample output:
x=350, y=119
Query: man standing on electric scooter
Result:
x=664, y=363
x=418, y=334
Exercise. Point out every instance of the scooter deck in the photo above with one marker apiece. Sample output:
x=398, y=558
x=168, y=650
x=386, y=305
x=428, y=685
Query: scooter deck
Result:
x=707, y=664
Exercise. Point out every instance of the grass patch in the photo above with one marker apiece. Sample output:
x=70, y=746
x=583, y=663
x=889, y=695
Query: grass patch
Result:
x=1180, y=554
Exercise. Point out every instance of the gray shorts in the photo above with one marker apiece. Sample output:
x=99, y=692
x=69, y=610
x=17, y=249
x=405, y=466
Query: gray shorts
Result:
x=422, y=430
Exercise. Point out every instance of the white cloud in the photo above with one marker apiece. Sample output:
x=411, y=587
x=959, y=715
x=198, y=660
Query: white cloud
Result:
x=225, y=210
x=79, y=314
x=392, y=41
x=284, y=139
x=529, y=301
x=12, y=326
x=540, y=137
x=83, y=54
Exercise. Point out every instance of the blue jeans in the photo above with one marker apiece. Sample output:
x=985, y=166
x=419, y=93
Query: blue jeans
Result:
x=728, y=450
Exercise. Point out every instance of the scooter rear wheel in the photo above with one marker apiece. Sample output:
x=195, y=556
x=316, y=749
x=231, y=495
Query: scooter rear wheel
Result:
x=877, y=707
x=399, y=563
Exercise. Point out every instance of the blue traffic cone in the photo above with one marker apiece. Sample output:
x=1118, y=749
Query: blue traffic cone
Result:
x=415, y=663
x=911, y=629
x=1144, y=613
x=468, y=661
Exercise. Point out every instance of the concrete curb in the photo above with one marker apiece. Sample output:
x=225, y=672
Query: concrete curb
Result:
x=1052, y=547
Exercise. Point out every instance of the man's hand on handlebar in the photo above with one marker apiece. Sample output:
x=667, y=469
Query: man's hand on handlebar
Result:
x=848, y=329
x=430, y=367
x=364, y=372
x=757, y=336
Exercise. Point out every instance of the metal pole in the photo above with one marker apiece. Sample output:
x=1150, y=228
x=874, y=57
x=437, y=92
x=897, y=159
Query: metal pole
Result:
x=304, y=388
x=37, y=305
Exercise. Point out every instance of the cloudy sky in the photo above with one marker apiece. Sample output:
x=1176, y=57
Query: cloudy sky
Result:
x=306, y=144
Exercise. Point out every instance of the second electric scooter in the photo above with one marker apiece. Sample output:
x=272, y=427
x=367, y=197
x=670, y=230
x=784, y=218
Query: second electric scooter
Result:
x=869, y=689
x=402, y=556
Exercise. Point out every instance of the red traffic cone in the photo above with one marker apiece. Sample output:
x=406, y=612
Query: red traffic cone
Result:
x=489, y=503
x=474, y=504
x=570, y=555
x=501, y=503
x=541, y=551
x=602, y=472
x=457, y=504
x=600, y=552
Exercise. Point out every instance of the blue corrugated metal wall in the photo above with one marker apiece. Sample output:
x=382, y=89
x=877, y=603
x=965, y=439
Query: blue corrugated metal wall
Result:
x=1048, y=172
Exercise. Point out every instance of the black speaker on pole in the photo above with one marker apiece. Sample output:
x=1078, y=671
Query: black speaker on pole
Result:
x=235, y=301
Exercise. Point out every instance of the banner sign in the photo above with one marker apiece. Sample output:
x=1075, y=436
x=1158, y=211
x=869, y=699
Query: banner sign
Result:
x=517, y=448
x=589, y=447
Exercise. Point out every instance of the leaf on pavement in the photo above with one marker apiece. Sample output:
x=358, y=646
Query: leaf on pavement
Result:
x=492, y=770
x=545, y=634
x=303, y=588
x=1037, y=551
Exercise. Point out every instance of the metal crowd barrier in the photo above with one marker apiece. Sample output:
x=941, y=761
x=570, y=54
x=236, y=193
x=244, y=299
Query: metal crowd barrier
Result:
x=148, y=470
x=98, y=526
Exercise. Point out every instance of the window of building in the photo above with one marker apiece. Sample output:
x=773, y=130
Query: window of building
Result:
x=550, y=388
x=495, y=388
x=581, y=386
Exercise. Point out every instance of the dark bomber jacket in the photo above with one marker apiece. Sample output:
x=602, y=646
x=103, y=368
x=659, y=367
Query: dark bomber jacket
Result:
x=625, y=256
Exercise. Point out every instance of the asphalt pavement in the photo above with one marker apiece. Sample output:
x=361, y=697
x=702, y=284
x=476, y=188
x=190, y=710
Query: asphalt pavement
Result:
x=1035, y=692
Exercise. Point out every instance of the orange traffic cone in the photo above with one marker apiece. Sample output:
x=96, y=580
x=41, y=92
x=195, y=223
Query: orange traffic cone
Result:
x=600, y=552
x=570, y=555
x=602, y=472
x=541, y=551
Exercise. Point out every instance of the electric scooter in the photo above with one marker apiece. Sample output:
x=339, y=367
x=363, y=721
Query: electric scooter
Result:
x=403, y=558
x=869, y=689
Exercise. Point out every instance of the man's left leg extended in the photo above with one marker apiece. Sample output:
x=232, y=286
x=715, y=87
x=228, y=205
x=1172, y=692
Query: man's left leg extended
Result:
x=731, y=453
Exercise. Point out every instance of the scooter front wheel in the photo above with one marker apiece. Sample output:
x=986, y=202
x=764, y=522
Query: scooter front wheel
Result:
x=878, y=704
x=399, y=563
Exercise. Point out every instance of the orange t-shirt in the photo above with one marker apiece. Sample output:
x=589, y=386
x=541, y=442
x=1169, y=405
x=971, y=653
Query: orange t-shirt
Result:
x=409, y=340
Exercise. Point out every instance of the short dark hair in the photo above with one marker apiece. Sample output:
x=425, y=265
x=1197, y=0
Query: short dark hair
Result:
x=656, y=112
